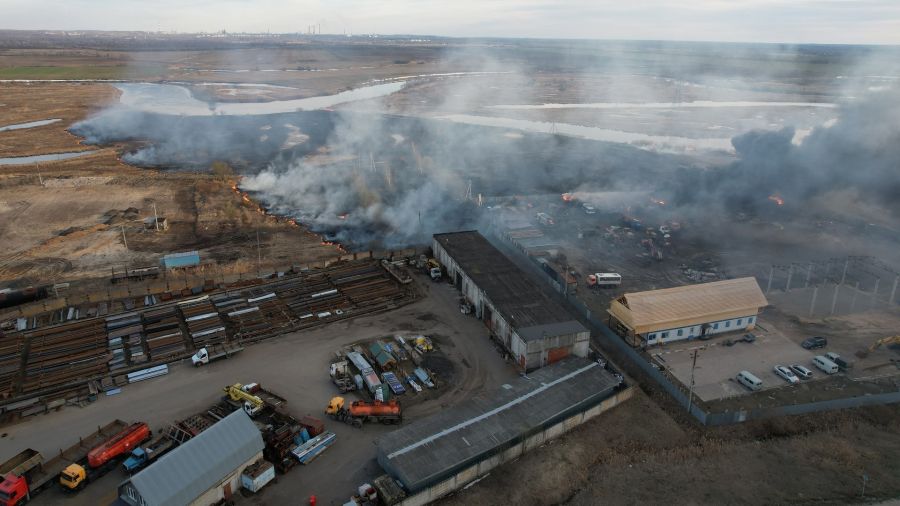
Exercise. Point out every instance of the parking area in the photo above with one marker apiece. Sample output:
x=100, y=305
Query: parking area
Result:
x=718, y=363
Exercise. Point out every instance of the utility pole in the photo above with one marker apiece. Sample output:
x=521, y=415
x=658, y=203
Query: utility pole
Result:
x=124, y=240
x=691, y=391
x=155, y=217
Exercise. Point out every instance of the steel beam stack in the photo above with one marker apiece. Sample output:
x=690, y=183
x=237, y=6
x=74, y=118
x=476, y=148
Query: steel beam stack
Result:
x=12, y=347
x=203, y=322
x=64, y=354
x=165, y=338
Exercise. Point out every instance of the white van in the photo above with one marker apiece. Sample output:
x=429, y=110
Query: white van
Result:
x=827, y=366
x=608, y=279
x=749, y=380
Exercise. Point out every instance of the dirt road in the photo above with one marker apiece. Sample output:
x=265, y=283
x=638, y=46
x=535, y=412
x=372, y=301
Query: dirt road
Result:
x=295, y=366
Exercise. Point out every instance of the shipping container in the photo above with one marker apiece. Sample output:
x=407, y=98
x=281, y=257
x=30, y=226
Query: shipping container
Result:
x=257, y=475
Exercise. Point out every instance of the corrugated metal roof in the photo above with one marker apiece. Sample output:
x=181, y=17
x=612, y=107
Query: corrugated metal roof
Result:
x=539, y=332
x=522, y=303
x=188, y=471
x=433, y=448
x=693, y=301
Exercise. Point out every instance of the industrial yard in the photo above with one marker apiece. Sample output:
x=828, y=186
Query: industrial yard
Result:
x=405, y=271
x=350, y=462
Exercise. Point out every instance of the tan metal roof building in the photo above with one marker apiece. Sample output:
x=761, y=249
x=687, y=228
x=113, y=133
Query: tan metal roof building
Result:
x=684, y=306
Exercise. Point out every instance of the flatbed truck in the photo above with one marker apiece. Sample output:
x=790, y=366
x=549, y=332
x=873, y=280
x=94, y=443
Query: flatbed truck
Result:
x=143, y=456
x=212, y=353
x=27, y=474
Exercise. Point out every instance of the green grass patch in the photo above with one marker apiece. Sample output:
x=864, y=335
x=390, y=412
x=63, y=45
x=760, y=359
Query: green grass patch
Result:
x=84, y=72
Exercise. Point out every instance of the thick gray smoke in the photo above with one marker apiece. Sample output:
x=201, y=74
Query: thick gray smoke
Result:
x=366, y=177
x=859, y=151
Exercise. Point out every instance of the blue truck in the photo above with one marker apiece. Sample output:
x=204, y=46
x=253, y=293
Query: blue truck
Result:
x=142, y=456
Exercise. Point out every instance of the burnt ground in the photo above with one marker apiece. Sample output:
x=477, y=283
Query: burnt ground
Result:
x=638, y=454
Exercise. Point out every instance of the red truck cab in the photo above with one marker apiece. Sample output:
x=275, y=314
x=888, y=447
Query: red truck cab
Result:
x=13, y=490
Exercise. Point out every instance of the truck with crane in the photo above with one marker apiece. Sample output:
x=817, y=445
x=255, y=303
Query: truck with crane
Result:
x=254, y=398
x=434, y=269
x=27, y=474
x=342, y=376
x=359, y=412
x=103, y=457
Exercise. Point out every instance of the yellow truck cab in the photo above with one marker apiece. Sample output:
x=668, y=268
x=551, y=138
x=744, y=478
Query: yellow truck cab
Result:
x=72, y=477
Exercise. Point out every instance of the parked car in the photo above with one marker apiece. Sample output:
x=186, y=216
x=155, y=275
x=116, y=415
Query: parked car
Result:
x=801, y=371
x=750, y=381
x=814, y=343
x=786, y=374
x=589, y=209
x=749, y=338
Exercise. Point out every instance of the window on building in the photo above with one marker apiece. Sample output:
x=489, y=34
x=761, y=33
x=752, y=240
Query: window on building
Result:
x=716, y=326
x=750, y=320
x=727, y=324
x=665, y=335
x=651, y=337
x=740, y=321
x=680, y=332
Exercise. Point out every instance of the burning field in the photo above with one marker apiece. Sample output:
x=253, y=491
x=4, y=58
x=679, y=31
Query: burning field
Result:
x=388, y=167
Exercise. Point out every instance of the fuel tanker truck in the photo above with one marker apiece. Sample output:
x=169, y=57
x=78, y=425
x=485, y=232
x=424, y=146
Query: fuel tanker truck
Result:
x=103, y=457
x=359, y=412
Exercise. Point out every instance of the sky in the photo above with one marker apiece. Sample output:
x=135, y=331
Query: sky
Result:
x=794, y=21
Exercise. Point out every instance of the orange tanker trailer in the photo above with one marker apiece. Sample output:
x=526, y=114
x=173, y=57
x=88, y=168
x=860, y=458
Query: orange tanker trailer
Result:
x=359, y=412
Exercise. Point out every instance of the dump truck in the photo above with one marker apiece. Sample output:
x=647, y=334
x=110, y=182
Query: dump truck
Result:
x=27, y=474
x=103, y=457
x=341, y=376
x=359, y=412
x=143, y=456
x=212, y=353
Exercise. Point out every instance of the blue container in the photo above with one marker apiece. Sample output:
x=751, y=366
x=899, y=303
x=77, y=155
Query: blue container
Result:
x=304, y=434
x=185, y=259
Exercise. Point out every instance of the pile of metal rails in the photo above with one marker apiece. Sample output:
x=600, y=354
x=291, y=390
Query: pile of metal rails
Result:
x=255, y=314
x=204, y=324
x=125, y=340
x=12, y=348
x=63, y=354
x=165, y=338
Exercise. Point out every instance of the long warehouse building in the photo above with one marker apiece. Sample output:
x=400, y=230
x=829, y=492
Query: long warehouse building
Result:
x=436, y=455
x=534, y=328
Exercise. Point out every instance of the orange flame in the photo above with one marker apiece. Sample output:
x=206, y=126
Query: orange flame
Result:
x=776, y=199
x=567, y=197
